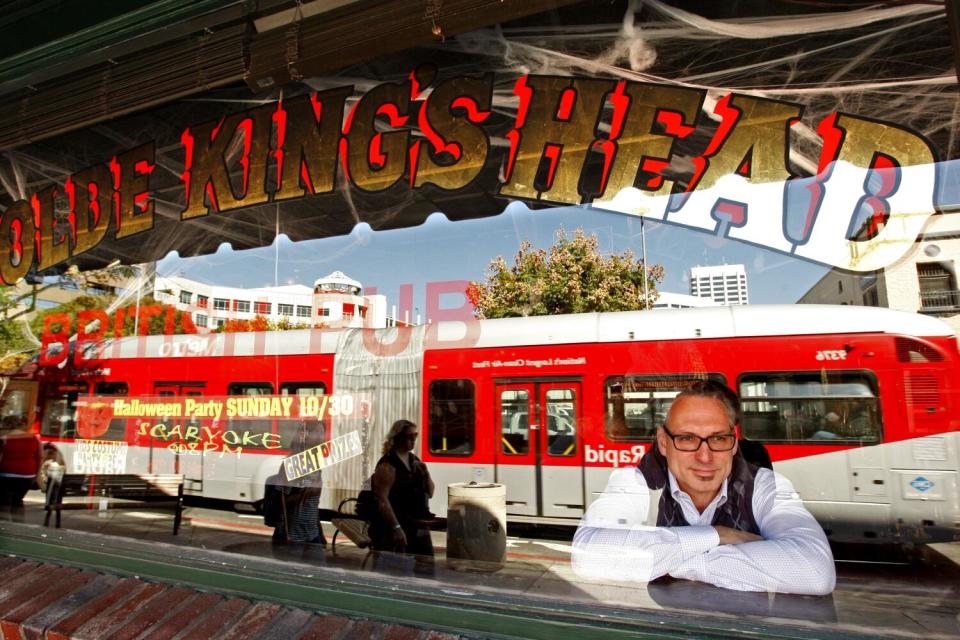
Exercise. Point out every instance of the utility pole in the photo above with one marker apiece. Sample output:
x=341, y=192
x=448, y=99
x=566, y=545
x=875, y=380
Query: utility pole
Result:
x=646, y=288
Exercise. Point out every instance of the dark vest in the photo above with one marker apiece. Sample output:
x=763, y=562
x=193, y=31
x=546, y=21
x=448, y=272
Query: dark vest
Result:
x=736, y=512
x=408, y=495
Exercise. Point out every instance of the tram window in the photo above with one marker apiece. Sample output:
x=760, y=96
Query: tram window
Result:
x=14, y=405
x=514, y=422
x=561, y=422
x=251, y=427
x=637, y=405
x=451, y=418
x=810, y=407
x=60, y=411
x=118, y=426
x=250, y=389
x=288, y=429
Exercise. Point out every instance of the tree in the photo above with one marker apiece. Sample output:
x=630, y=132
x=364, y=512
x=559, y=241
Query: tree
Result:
x=261, y=323
x=21, y=323
x=572, y=278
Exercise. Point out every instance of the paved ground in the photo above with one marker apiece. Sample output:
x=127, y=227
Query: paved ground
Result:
x=883, y=595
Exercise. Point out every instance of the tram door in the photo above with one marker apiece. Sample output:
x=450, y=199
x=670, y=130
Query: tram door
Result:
x=539, y=447
x=174, y=454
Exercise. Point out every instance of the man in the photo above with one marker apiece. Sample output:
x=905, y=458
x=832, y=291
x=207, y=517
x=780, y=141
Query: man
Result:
x=718, y=518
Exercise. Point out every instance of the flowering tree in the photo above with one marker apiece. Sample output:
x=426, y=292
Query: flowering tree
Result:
x=571, y=278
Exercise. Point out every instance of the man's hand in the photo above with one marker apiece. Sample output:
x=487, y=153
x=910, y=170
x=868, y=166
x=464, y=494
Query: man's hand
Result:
x=735, y=536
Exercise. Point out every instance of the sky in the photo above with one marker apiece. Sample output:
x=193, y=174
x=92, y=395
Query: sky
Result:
x=440, y=250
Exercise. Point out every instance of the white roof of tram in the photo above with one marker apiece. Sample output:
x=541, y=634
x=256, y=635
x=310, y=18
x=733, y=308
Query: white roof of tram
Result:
x=629, y=326
x=713, y=322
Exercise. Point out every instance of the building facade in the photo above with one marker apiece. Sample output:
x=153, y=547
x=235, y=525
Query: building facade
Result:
x=925, y=281
x=725, y=284
x=335, y=301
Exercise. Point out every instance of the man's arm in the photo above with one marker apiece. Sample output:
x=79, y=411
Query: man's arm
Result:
x=614, y=541
x=793, y=557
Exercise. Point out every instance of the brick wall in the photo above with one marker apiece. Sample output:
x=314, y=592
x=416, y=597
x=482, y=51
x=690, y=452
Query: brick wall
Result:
x=41, y=600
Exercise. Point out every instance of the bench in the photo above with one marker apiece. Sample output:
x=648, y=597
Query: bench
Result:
x=354, y=527
x=157, y=489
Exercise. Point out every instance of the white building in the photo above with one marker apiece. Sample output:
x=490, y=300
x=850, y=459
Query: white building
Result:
x=335, y=301
x=725, y=284
x=924, y=281
x=670, y=300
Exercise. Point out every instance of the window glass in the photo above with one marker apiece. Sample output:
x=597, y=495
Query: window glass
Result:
x=810, y=407
x=118, y=426
x=451, y=417
x=527, y=249
x=289, y=429
x=60, y=410
x=14, y=405
x=636, y=405
x=515, y=422
x=252, y=427
x=561, y=422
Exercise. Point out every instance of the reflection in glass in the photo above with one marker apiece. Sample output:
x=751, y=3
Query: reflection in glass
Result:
x=809, y=407
x=515, y=422
x=561, y=422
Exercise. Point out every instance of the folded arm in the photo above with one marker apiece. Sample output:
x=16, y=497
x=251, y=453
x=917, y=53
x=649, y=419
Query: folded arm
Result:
x=793, y=557
x=614, y=542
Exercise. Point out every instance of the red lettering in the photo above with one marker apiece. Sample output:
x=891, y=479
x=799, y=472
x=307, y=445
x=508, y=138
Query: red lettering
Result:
x=49, y=355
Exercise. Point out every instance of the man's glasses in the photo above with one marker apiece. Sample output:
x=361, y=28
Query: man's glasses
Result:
x=689, y=442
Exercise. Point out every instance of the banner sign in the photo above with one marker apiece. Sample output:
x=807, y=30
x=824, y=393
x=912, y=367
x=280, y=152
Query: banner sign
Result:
x=323, y=455
x=613, y=144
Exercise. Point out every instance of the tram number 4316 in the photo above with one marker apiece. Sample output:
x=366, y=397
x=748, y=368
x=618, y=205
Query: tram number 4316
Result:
x=839, y=354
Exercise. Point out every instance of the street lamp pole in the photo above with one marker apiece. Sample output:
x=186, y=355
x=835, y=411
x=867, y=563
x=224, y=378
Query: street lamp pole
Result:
x=646, y=288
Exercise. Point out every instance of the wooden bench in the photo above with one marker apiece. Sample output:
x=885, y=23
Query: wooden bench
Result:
x=158, y=489
x=351, y=525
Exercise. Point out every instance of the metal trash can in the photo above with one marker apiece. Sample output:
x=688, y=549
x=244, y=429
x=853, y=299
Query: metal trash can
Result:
x=476, y=526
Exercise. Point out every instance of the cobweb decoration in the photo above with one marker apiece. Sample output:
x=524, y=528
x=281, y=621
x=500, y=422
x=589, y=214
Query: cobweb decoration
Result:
x=889, y=61
x=886, y=62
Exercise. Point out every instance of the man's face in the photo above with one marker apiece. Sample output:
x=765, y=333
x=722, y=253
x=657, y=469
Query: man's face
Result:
x=699, y=473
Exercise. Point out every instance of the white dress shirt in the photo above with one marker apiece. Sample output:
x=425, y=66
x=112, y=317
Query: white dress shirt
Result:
x=615, y=540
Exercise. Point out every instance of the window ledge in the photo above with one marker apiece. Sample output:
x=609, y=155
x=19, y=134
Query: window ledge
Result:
x=454, y=608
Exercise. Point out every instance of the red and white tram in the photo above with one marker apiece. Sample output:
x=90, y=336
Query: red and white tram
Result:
x=857, y=406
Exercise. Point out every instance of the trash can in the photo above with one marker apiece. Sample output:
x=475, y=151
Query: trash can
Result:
x=476, y=526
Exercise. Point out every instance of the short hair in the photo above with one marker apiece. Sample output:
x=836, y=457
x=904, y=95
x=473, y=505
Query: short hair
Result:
x=717, y=391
